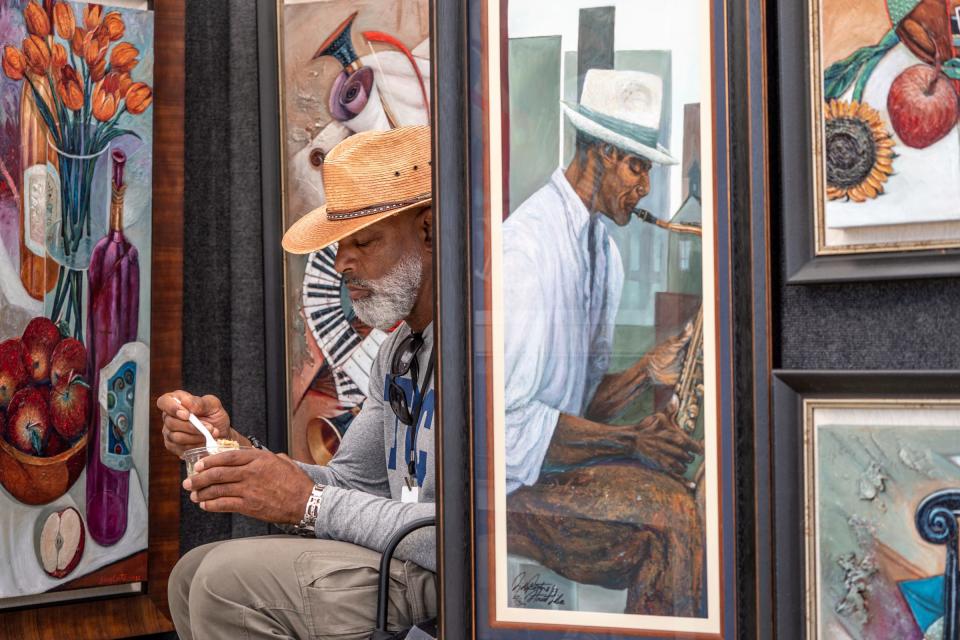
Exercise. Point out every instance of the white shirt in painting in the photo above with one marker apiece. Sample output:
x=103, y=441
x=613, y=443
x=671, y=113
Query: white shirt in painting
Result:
x=559, y=312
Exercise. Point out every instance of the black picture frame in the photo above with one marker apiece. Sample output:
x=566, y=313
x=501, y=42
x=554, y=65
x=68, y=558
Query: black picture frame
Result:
x=786, y=507
x=271, y=185
x=749, y=362
x=792, y=146
x=452, y=260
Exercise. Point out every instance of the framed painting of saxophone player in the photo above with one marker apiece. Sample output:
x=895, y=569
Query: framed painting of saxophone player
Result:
x=870, y=138
x=867, y=480
x=345, y=66
x=600, y=227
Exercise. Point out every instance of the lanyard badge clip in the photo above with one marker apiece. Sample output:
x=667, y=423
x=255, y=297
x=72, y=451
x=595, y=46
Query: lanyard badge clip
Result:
x=410, y=492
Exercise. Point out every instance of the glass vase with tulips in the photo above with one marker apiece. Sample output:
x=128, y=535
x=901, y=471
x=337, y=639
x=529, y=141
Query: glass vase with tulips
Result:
x=80, y=74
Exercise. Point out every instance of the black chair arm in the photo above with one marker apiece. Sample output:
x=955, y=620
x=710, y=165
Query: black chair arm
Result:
x=383, y=595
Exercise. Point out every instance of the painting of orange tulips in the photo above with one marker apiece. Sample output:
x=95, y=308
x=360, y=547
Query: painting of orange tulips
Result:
x=76, y=156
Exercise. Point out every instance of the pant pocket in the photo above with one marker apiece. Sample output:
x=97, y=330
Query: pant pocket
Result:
x=340, y=597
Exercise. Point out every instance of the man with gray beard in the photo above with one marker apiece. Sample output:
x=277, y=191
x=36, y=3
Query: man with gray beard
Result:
x=322, y=583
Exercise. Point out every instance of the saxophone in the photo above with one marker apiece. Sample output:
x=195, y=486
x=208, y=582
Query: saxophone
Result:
x=689, y=389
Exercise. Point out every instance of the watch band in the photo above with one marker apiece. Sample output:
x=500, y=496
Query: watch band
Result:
x=308, y=524
x=254, y=441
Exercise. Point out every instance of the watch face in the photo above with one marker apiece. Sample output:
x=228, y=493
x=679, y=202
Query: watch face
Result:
x=348, y=346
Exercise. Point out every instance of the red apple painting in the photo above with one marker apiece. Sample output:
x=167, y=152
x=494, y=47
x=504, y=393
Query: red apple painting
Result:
x=61, y=542
x=922, y=104
x=13, y=373
x=28, y=422
x=889, y=110
x=39, y=339
x=70, y=406
x=74, y=113
x=70, y=357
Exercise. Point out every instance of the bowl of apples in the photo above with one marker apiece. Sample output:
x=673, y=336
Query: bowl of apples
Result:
x=44, y=412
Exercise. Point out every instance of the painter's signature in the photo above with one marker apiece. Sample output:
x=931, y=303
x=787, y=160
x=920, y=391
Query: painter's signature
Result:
x=529, y=590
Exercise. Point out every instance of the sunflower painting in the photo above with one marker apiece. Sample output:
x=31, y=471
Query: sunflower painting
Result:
x=858, y=150
x=886, y=113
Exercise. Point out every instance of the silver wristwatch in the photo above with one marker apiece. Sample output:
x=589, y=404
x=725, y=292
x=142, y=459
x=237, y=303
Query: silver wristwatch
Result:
x=308, y=525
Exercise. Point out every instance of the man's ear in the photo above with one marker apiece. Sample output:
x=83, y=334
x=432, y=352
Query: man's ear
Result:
x=424, y=224
x=609, y=153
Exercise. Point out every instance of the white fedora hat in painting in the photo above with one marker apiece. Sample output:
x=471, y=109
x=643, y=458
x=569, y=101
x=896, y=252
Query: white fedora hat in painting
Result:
x=622, y=108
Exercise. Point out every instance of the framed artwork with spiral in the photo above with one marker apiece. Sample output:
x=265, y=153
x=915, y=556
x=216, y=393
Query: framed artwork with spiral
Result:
x=867, y=486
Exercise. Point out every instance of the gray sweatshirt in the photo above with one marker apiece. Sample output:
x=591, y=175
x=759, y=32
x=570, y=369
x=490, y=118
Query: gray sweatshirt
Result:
x=361, y=502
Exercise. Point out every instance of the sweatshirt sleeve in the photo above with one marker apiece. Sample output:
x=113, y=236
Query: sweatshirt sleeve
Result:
x=359, y=462
x=370, y=521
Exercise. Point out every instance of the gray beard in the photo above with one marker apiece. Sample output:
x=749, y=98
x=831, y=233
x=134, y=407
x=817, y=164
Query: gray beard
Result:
x=391, y=297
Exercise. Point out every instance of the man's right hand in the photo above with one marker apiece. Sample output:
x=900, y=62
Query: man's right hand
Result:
x=178, y=434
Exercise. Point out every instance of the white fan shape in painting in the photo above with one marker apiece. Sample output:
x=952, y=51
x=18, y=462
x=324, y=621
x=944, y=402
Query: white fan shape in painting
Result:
x=349, y=355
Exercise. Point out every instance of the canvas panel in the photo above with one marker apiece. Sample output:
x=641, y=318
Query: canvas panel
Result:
x=75, y=256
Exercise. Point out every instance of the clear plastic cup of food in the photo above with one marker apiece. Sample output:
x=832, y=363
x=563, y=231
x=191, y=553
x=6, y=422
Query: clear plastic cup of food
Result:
x=191, y=456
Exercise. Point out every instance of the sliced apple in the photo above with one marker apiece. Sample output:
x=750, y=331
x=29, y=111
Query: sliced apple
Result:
x=61, y=542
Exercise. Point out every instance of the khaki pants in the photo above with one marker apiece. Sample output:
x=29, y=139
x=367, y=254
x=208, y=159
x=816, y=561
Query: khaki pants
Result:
x=292, y=587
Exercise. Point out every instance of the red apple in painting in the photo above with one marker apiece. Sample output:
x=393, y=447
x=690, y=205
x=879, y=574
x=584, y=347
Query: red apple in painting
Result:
x=922, y=104
x=13, y=374
x=55, y=444
x=27, y=421
x=69, y=404
x=69, y=356
x=61, y=542
x=39, y=340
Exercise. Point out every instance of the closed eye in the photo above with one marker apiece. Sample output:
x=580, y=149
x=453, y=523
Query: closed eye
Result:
x=639, y=166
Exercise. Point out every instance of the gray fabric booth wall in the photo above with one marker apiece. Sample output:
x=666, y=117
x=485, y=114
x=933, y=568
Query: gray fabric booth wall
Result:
x=223, y=323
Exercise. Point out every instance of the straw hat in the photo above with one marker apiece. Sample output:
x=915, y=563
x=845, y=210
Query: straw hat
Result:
x=368, y=177
x=622, y=108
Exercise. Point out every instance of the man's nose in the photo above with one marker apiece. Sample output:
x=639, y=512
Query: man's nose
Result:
x=342, y=262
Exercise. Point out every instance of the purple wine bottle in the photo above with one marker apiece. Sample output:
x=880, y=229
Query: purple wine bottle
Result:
x=113, y=308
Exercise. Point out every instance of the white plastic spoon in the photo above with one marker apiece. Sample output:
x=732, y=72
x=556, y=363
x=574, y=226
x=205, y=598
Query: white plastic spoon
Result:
x=212, y=444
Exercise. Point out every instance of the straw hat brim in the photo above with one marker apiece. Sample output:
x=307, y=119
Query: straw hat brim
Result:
x=314, y=231
x=600, y=132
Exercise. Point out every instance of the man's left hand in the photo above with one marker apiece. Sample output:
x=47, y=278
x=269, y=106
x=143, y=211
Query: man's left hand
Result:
x=254, y=482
